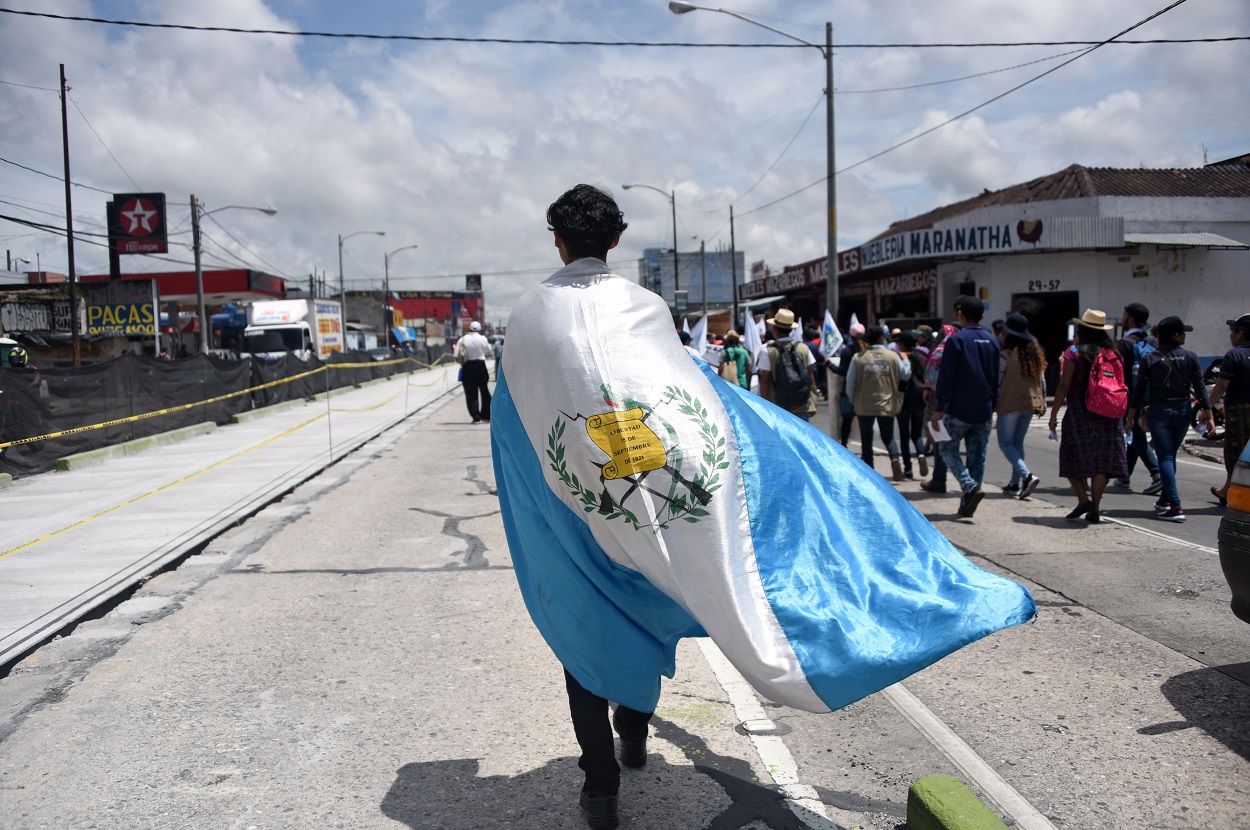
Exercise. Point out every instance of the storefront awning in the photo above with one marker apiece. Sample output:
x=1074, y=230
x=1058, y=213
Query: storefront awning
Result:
x=762, y=301
x=1185, y=240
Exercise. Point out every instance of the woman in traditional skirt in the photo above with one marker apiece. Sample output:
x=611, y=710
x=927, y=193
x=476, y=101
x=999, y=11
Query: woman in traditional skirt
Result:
x=1091, y=446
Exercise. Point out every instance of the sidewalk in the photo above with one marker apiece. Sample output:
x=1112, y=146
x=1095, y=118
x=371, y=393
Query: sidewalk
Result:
x=71, y=541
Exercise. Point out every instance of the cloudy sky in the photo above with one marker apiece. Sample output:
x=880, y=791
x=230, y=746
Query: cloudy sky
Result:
x=458, y=147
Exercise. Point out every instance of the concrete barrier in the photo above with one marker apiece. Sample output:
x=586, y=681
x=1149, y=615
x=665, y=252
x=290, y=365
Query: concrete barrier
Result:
x=940, y=802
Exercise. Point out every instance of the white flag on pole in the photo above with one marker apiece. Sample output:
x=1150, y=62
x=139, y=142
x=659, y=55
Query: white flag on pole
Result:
x=831, y=336
x=698, y=336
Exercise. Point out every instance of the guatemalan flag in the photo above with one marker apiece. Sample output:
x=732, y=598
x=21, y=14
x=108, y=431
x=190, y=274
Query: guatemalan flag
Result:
x=646, y=500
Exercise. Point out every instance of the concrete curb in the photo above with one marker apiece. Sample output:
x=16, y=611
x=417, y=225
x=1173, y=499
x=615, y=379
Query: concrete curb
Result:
x=940, y=802
x=1204, y=449
x=252, y=414
x=98, y=456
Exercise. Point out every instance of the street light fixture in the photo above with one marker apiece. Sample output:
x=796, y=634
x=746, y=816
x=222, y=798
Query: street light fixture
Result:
x=831, y=263
x=387, y=319
x=672, y=199
x=198, y=212
x=342, y=285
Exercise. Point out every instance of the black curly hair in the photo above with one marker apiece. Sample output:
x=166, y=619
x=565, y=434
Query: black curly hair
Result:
x=588, y=221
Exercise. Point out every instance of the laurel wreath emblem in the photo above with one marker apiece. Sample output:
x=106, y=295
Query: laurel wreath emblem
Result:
x=683, y=499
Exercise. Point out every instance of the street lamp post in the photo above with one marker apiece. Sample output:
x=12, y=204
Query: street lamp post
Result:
x=197, y=213
x=672, y=199
x=703, y=271
x=831, y=263
x=342, y=284
x=387, y=318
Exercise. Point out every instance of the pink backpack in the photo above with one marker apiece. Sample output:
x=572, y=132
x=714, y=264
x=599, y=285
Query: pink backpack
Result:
x=1106, y=394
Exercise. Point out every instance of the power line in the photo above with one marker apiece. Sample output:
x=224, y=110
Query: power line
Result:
x=55, y=178
x=102, y=144
x=538, y=42
x=968, y=112
x=954, y=80
x=776, y=161
x=266, y=263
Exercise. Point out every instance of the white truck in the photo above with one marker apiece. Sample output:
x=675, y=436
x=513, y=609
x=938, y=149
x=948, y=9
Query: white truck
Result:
x=305, y=328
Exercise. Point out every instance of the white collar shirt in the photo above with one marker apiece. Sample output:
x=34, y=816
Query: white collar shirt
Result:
x=475, y=346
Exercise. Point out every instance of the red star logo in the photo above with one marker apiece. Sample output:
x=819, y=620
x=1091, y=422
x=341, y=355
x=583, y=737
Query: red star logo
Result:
x=140, y=216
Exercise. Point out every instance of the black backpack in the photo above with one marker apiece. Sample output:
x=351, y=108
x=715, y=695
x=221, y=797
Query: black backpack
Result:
x=792, y=383
x=913, y=388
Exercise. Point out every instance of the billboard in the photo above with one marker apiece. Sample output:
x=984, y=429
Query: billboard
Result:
x=136, y=223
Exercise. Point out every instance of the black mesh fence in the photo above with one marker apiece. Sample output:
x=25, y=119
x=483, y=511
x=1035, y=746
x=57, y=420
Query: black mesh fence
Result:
x=46, y=414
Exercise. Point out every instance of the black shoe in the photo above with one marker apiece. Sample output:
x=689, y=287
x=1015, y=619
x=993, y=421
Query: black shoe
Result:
x=633, y=753
x=1030, y=484
x=968, y=504
x=1080, y=510
x=600, y=811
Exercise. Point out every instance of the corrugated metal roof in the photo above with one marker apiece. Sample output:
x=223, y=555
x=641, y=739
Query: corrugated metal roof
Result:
x=1079, y=182
x=1184, y=240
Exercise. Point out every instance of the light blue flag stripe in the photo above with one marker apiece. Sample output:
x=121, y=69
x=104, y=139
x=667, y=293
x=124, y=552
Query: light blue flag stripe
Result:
x=613, y=631
x=866, y=590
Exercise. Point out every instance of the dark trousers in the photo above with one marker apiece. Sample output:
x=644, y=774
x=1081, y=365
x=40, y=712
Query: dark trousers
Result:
x=911, y=434
x=476, y=393
x=848, y=420
x=1140, y=448
x=885, y=423
x=594, y=736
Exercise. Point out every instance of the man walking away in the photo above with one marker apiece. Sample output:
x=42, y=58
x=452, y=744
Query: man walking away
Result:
x=1135, y=344
x=791, y=385
x=967, y=392
x=911, y=416
x=471, y=351
x=873, y=384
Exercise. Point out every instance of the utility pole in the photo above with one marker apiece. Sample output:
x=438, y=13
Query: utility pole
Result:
x=733, y=266
x=703, y=277
x=69, y=228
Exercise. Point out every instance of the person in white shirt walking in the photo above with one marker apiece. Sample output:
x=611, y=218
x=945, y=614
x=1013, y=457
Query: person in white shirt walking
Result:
x=471, y=352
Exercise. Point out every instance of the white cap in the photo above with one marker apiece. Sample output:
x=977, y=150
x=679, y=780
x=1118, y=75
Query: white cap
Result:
x=475, y=326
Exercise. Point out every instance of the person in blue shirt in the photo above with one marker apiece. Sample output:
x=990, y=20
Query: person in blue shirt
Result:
x=967, y=392
x=1165, y=379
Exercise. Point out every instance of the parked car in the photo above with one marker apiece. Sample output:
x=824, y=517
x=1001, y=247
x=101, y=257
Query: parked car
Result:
x=1234, y=537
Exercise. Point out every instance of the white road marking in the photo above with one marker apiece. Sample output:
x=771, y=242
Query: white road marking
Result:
x=1173, y=539
x=969, y=763
x=773, y=752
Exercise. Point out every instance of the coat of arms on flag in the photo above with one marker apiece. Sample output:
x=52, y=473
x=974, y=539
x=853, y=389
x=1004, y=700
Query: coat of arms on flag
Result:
x=635, y=455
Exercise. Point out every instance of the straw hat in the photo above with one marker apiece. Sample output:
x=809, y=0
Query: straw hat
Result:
x=1093, y=319
x=783, y=320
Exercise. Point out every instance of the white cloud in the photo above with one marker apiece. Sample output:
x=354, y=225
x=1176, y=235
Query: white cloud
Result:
x=460, y=147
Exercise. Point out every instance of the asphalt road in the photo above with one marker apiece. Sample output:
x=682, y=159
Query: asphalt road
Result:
x=357, y=655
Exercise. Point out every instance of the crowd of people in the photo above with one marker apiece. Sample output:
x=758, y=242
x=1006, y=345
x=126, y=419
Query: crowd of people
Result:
x=939, y=394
